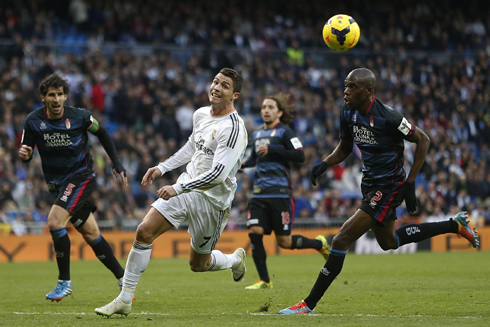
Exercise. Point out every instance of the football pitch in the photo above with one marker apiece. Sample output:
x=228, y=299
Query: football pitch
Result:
x=422, y=289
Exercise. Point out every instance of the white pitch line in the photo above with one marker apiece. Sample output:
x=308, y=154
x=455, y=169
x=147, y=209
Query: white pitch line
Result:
x=87, y=313
x=371, y=315
x=145, y=313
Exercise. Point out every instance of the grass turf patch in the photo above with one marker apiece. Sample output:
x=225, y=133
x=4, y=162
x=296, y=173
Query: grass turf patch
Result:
x=422, y=289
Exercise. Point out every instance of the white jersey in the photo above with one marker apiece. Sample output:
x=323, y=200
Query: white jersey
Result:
x=213, y=154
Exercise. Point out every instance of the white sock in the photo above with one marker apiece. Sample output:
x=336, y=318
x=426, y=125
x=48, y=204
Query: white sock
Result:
x=221, y=261
x=138, y=260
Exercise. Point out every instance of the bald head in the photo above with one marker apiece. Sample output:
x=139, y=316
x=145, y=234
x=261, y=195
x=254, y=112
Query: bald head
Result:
x=359, y=89
x=363, y=76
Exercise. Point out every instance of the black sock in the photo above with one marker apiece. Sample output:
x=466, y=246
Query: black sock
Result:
x=259, y=255
x=301, y=242
x=413, y=233
x=330, y=270
x=104, y=253
x=62, y=246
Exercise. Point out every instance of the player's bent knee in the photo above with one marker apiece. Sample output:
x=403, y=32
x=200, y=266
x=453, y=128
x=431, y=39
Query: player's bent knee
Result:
x=144, y=234
x=284, y=243
x=283, y=246
x=52, y=225
x=90, y=237
x=197, y=267
x=256, y=239
x=341, y=242
x=386, y=246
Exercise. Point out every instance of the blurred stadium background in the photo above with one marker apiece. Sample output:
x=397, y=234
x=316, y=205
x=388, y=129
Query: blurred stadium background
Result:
x=143, y=67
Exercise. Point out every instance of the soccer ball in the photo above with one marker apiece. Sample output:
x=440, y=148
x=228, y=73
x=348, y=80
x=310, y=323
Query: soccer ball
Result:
x=341, y=33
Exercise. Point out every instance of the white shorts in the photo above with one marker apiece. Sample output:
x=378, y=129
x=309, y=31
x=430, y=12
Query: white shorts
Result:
x=206, y=223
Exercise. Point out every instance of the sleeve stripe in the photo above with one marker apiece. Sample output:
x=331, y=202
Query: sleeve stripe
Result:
x=413, y=129
x=234, y=132
x=211, y=176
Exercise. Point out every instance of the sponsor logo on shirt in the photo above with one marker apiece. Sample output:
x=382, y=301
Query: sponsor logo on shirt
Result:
x=54, y=140
x=260, y=142
x=363, y=135
x=201, y=147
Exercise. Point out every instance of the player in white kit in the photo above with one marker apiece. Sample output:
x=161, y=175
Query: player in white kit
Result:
x=202, y=195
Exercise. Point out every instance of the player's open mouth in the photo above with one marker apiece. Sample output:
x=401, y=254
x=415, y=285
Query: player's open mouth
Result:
x=215, y=95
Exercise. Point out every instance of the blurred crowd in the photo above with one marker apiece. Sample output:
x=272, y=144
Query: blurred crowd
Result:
x=259, y=24
x=431, y=65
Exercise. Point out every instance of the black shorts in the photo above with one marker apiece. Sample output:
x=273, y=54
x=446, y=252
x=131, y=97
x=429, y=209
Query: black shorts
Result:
x=73, y=197
x=380, y=202
x=272, y=214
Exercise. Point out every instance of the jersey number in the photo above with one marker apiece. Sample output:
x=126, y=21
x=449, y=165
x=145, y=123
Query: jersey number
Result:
x=69, y=189
x=375, y=199
x=206, y=239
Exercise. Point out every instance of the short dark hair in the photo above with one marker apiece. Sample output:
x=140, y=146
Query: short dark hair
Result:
x=54, y=81
x=285, y=105
x=235, y=77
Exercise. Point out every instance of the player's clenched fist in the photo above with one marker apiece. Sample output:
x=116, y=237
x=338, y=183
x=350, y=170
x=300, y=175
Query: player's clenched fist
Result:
x=25, y=152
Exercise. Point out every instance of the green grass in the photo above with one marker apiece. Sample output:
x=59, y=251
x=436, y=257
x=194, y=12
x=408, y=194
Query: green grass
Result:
x=423, y=289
